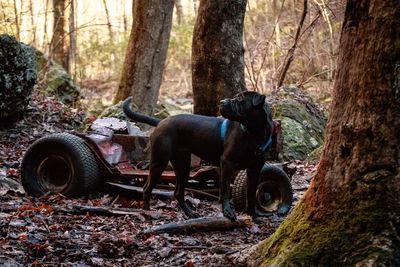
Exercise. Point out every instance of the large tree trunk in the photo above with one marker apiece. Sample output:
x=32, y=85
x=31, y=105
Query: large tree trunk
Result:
x=146, y=54
x=217, y=54
x=350, y=215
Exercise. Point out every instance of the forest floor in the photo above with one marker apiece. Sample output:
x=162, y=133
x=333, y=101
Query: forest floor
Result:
x=43, y=232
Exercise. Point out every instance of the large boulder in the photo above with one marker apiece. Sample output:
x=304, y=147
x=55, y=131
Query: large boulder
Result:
x=17, y=78
x=302, y=121
x=54, y=80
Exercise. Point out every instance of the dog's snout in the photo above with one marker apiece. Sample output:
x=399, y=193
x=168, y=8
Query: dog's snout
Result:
x=224, y=102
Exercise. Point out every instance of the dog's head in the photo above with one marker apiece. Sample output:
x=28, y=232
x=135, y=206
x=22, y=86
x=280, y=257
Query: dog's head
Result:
x=245, y=107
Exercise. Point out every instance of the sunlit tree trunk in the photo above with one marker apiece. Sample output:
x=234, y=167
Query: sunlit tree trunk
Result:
x=70, y=60
x=146, y=53
x=57, y=51
x=110, y=32
x=45, y=44
x=17, y=22
x=217, y=54
x=350, y=215
x=33, y=24
x=179, y=11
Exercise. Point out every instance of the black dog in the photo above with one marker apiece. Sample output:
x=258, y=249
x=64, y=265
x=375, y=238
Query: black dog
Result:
x=237, y=142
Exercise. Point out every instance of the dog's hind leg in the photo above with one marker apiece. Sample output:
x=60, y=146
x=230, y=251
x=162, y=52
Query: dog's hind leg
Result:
x=181, y=164
x=158, y=162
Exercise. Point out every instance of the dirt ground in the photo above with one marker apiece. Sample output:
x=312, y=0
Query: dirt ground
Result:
x=51, y=231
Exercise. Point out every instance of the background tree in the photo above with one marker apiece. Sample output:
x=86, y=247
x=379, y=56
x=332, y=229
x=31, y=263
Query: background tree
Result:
x=146, y=54
x=217, y=54
x=350, y=215
x=63, y=42
x=57, y=44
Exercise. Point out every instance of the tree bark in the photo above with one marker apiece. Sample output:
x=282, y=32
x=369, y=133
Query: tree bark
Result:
x=57, y=51
x=217, y=54
x=17, y=22
x=110, y=32
x=179, y=12
x=33, y=24
x=350, y=215
x=70, y=60
x=146, y=54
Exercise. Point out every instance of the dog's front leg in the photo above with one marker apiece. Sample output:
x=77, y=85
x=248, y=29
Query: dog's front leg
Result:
x=253, y=175
x=227, y=173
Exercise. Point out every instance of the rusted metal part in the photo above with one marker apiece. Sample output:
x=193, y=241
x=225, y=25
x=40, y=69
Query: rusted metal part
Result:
x=128, y=189
x=122, y=151
x=203, y=172
x=105, y=167
x=277, y=141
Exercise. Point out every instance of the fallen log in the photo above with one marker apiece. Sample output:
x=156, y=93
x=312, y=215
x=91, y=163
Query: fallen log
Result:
x=202, y=224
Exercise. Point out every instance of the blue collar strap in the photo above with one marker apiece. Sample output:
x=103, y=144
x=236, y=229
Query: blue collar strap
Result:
x=224, y=126
x=264, y=147
x=223, y=129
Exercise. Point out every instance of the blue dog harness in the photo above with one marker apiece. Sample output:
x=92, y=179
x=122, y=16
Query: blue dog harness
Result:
x=263, y=147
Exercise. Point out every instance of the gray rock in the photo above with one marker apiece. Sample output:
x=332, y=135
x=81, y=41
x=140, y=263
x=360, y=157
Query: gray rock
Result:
x=17, y=78
x=303, y=122
x=54, y=80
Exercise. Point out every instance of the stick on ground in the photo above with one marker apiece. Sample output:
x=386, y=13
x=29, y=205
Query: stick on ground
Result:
x=202, y=224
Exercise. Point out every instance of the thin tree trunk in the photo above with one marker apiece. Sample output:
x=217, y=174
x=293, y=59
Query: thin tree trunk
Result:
x=16, y=20
x=57, y=41
x=33, y=24
x=290, y=55
x=179, y=11
x=276, y=21
x=45, y=36
x=72, y=40
x=125, y=20
x=350, y=215
x=324, y=10
x=108, y=20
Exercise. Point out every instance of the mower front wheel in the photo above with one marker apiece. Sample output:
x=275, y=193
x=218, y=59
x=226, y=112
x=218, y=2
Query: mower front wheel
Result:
x=59, y=163
x=274, y=192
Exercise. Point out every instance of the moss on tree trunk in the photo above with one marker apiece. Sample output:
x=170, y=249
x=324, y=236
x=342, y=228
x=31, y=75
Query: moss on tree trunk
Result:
x=350, y=215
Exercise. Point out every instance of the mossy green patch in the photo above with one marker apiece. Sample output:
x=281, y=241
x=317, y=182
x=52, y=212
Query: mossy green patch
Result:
x=354, y=231
x=303, y=122
x=55, y=81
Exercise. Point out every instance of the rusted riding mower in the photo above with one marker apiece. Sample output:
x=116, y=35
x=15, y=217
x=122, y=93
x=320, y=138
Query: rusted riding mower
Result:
x=115, y=151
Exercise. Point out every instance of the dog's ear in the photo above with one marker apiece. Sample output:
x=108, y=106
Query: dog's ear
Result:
x=258, y=100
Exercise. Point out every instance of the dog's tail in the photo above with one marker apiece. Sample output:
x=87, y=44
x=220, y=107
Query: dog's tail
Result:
x=137, y=116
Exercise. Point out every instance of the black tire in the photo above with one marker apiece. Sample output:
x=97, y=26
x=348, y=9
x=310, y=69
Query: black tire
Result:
x=274, y=191
x=59, y=163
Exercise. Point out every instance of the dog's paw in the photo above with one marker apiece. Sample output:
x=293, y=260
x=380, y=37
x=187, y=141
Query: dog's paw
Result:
x=258, y=220
x=188, y=211
x=229, y=213
x=192, y=215
x=146, y=205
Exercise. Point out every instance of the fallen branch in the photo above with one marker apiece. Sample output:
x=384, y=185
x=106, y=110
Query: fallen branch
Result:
x=290, y=55
x=111, y=211
x=202, y=224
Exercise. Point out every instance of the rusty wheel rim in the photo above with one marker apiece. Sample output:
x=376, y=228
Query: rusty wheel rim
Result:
x=269, y=196
x=54, y=173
